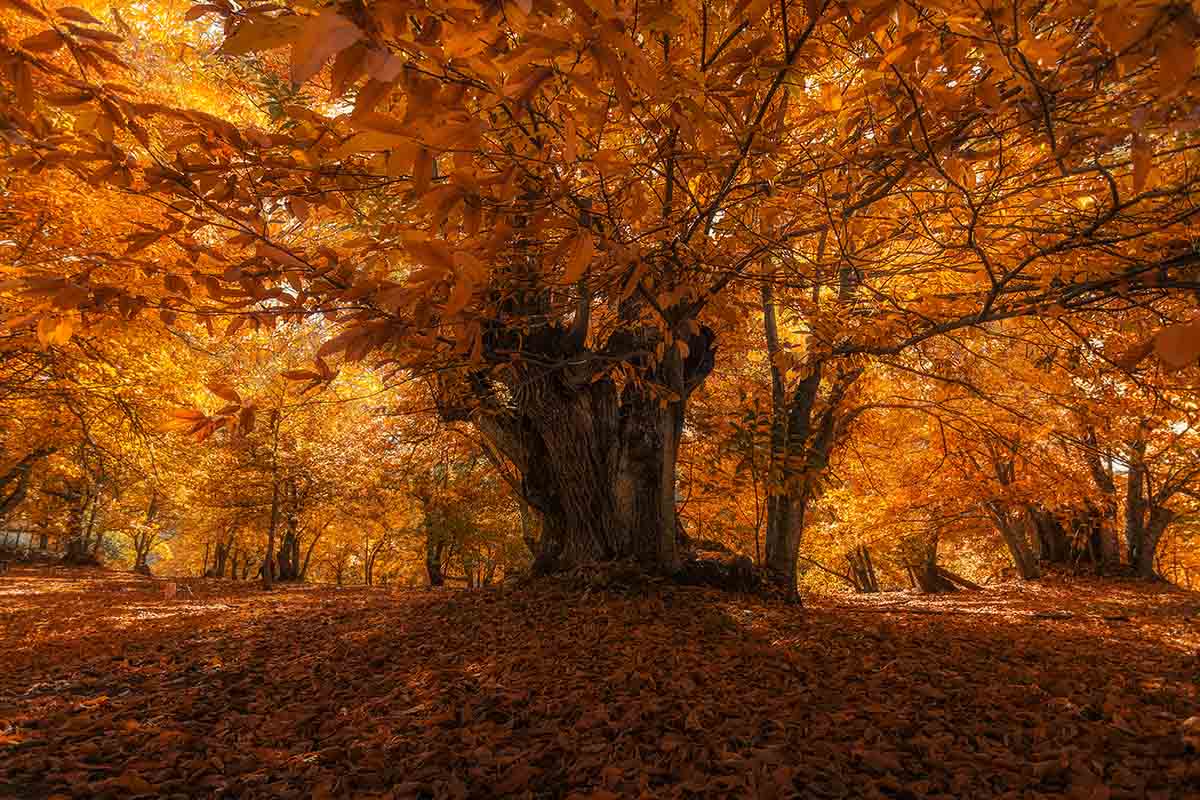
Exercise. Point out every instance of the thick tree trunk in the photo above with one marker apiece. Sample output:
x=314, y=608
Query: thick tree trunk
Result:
x=79, y=545
x=598, y=462
x=289, y=556
x=218, y=570
x=1055, y=544
x=591, y=422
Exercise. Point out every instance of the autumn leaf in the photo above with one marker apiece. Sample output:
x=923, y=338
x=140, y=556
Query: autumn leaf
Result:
x=77, y=15
x=225, y=392
x=1178, y=345
x=322, y=37
x=579, y=257
x=258, y=33
x=44, y=42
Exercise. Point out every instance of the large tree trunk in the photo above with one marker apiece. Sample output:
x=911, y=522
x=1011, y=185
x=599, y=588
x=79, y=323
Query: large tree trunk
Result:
x=1055, y=544
x=598, y=460
x=289, y=555
x=78, y=546
x=218, y=570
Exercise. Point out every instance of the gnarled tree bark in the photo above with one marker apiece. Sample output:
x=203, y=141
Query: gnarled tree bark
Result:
x=597, y=458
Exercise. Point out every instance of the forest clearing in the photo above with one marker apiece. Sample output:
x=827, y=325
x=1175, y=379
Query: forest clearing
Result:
x=599, y=398
x=1059, y=689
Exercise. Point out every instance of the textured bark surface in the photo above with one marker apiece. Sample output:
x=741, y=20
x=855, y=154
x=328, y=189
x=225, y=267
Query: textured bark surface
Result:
x=598, y=459
x=600, y=471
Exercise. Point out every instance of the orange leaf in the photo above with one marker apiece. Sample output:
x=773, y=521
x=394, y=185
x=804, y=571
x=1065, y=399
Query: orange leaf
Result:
x=323, y=37
x=44, y=42
x=225, y=392
x=1179, y=345
x=580, y=255
x=77, y=15
x=279, y=256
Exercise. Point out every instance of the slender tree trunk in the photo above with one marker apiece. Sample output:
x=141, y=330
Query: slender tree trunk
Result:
x=810, y=436
x=1012, y=527
x=91, y=528
x=1135, y=503
x=433, y=556
x=308, y=554
x=862, y=571
x=1160, y=519
x=268, y=572
x=1110, y=548
x=14, y=484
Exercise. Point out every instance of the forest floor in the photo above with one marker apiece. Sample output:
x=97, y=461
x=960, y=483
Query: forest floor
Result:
x=1058, y=689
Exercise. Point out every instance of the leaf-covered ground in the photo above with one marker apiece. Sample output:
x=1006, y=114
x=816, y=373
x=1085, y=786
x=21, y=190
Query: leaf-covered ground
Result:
x=1055, y=690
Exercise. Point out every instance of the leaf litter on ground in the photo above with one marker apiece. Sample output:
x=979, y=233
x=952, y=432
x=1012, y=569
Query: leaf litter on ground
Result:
x=1053, y=689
